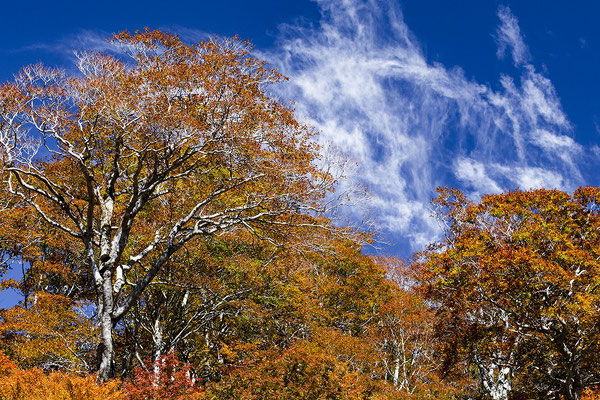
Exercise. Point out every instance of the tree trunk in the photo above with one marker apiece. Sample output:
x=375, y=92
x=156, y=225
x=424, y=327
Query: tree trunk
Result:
x=396, y=370
x=495, y=380
x=573, y=385
x=157, y=338
x=106, y=370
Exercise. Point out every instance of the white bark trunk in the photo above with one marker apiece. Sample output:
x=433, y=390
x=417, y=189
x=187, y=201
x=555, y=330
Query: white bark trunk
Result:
x=496, y=380
x=158, y=350
x=106, y=369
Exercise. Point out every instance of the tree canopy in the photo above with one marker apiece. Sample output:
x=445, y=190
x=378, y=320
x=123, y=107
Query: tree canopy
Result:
x=170, y=219
x=514, y=285
x=132, y=159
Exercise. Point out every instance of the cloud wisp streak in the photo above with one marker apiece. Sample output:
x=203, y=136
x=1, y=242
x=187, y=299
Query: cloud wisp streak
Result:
x=406, y=124
x=361, y=78
x=508, y=37
x=100, y=41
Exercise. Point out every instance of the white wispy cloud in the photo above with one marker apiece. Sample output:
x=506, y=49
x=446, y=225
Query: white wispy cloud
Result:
x=67, y=45
x=410, y=125
x=536, y=177
x=475, y=174
x=98, y=40
x=509, y=37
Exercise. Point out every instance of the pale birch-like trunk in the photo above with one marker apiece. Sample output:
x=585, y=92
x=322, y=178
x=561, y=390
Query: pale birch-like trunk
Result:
x=157, y=338
x=496, y=380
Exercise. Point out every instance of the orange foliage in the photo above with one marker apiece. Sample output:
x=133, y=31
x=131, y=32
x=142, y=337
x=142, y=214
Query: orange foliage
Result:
x=33, y=384
x=304, y=371
x=49, y=333
x=590, y=394
x=514, y=282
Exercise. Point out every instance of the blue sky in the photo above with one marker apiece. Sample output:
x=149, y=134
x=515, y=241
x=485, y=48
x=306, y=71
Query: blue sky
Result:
x=486, y=96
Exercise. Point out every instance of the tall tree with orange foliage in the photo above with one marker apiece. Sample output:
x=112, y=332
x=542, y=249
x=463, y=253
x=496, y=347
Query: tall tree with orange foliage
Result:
x=515, y=284
x=138, y=156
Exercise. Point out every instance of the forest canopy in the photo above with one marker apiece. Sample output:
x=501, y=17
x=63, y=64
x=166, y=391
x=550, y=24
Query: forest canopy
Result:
x=172, y=220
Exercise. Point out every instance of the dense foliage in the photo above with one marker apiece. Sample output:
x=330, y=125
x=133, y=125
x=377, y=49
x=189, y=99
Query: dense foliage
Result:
x=515, y=288
x=168, y=217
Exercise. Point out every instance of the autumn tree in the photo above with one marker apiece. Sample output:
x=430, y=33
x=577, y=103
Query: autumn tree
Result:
x=50, y=327
x=304, y=371
x=217, y=304
x=51, y=332
x=139, y=155
x=514, y=284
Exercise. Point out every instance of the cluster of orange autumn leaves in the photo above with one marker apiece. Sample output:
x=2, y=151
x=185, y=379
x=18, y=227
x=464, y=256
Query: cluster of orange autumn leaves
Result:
x=173, y=245
x=308, y=325
x=513, y=286
x=515, y=283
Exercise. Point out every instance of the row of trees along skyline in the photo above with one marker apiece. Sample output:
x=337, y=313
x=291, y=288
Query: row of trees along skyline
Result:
x=173, y=220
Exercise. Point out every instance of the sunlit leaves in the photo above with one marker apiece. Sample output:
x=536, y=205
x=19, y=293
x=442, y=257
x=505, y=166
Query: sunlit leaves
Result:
x=516, y=276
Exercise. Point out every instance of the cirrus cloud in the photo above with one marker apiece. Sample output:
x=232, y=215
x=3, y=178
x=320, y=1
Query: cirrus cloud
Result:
x=410, y=125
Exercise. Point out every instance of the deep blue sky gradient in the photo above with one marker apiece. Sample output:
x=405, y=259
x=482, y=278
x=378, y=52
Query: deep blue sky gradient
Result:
x=34, y=23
